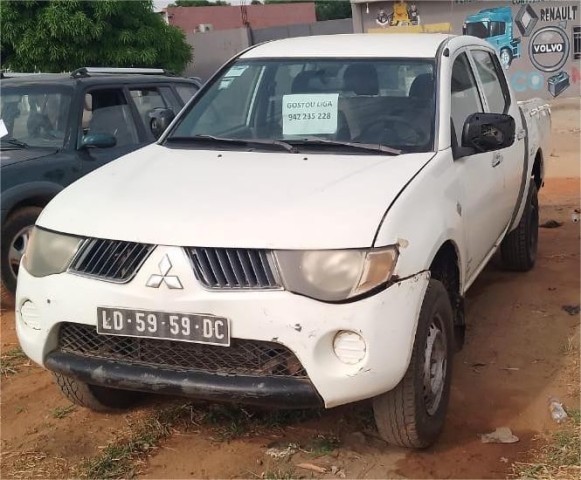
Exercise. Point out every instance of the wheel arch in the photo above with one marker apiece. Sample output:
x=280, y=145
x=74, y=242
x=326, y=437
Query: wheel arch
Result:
x=28, y=195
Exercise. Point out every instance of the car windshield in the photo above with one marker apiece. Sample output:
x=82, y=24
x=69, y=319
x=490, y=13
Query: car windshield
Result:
x=477, y=29
x=35, y=116
x=318, y=104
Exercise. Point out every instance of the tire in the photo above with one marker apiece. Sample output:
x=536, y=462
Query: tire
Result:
x=519, y=249
x=505, y=58
x=409, y=415
x=99, y=399
x=15, y=233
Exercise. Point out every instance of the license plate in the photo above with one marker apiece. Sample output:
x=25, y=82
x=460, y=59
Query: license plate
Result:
x=184, y=327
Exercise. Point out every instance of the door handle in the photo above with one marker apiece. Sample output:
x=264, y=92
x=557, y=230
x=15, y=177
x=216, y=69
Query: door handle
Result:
x=497, y=159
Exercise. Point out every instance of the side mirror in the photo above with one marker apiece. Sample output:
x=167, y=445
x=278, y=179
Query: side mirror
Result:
x=99, y=140
x=159, y=120
x=487, y=132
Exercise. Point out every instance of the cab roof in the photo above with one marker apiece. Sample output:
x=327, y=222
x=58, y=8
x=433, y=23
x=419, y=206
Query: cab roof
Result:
x=360, y=45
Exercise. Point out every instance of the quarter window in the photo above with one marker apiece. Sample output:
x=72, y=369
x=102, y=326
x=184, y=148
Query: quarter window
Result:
x=464, y=96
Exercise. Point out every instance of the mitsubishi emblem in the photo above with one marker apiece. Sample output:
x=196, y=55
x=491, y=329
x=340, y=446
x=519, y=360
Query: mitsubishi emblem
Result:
x=171, y=281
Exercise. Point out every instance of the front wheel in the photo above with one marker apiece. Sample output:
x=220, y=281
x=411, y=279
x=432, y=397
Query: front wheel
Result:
x=505, y=57
x=412, y=414
x=99, y=399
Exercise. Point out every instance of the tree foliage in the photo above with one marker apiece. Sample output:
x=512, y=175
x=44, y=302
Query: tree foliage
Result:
x=325, y=9
x=61, y=35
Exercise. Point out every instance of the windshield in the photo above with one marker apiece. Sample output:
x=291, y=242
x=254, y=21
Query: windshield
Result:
x=35, y=115
x=387, y=102
x=477, y=29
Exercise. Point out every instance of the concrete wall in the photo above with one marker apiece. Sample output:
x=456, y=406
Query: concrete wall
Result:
x=213, y=49
x=226, y=18
x=547, y=64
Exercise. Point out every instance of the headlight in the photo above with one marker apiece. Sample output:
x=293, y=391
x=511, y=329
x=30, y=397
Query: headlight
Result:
x=335, y=275
x=48, y=253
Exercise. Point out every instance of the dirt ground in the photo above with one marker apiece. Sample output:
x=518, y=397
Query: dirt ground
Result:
x=521, y=349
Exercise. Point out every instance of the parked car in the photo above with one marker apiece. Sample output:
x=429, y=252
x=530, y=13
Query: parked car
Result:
x=303, y=234
x=63, y=126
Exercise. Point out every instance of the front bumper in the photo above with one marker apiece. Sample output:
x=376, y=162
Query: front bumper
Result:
x=282, y=392
x=386, y=322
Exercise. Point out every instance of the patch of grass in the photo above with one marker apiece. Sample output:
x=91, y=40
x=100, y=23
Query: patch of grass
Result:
x=62, y=412
x=280, y=474
x=231, y=421
x=322, y=445
x=560, y=458
x=11, y=360
x=117, y=459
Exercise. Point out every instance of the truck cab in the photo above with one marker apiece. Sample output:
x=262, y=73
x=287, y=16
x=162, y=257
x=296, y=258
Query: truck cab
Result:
x=495, y=25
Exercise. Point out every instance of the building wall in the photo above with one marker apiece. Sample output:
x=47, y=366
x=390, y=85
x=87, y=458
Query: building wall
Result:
x=225, y=18
x=213, y=49
x=546, y=36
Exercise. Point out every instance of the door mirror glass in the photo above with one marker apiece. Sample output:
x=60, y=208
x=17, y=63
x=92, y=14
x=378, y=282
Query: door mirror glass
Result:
x=159, y=120
x=487, y=132
x=99, y=140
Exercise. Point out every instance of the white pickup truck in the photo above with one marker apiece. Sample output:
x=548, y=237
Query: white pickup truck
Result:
x=302, y=234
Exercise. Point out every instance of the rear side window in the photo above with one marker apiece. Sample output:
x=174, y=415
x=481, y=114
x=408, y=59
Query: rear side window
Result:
x=465, y=99
x=495, y=90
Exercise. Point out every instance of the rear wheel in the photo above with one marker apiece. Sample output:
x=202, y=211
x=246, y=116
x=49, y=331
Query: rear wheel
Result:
x=15, y=236
x=412, y=414
x=100, y=399
x=519, y=248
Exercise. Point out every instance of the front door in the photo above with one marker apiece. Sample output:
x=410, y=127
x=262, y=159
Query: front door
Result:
x=482, y=180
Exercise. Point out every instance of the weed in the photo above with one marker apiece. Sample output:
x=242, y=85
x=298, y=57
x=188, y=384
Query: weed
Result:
x=116, y=460
x=322, y=445
x=62, y=412
x=560, y=457
x=11, y=360
x=280, y=474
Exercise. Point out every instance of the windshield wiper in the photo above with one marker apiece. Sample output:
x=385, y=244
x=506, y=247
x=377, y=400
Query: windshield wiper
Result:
x=237, y=141
x=355, y=145
x=14, y=141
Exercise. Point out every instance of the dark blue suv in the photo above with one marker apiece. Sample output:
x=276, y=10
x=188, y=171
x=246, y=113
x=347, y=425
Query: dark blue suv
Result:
x=63, y=126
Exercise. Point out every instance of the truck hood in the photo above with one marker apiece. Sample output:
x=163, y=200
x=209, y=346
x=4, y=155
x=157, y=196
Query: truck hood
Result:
x=167, y=196
x=10, y=156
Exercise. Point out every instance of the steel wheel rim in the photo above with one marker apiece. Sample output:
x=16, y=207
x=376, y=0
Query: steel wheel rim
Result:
x=17, y=248
x=435, y=363
x=505, y=58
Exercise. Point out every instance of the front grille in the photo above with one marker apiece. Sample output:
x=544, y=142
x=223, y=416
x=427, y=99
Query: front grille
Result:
x=243, y=357
x=111, y=260
x=234, y=268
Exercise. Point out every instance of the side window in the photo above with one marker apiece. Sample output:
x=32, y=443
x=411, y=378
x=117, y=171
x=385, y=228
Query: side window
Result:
x=497, y=28
x=495, y=91
x=464, y=98
x=146, y=99
x=107, y=111
x=185, y=91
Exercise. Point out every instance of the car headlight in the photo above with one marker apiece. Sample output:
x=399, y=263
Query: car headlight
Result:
x=335, y=275
x=49, y=253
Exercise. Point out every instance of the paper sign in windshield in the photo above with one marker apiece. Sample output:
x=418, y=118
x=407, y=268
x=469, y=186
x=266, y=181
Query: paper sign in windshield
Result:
x=309, y=114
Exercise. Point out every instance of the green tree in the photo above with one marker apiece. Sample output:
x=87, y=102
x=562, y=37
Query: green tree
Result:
x=325, y=9
x=62, y=35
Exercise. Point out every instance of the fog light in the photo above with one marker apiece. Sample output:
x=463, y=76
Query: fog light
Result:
x=349, y=347
x=30, y=315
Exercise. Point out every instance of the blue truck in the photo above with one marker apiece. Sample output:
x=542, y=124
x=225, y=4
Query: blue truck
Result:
x=495, y=25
